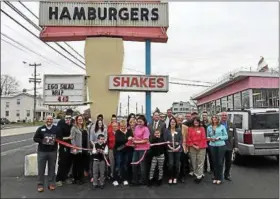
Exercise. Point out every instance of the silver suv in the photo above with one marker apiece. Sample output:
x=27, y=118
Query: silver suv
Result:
x=257, y=132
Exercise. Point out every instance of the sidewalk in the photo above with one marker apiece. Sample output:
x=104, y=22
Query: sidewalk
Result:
x=18, y=131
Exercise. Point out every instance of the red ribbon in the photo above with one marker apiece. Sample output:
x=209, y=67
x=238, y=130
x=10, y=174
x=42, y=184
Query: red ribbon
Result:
x=79, y=148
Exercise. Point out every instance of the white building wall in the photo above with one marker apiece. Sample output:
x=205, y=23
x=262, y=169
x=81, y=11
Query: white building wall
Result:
x=26, y=104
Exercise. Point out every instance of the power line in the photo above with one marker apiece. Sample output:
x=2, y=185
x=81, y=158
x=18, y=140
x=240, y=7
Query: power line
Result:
x=38, y=28
x=38, y=19
x=40, y=40
x=48, y=60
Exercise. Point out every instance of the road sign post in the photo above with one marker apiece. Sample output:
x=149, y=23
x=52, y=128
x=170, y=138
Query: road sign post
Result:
x=148, y=72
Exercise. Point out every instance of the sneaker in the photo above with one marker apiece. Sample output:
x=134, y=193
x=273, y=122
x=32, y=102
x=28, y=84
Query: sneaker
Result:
x=115, y=183
x=59, y=183
x=69, y=181
x=170, y=181
x=125, y=183
x=51, y=187
x=174, y=181
x=40, y=188
x=91, y=180
x=191, y=174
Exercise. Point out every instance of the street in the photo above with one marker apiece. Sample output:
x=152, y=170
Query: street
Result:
x=255, y=178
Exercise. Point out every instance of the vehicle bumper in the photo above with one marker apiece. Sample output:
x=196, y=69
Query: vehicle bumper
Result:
x=247, y=149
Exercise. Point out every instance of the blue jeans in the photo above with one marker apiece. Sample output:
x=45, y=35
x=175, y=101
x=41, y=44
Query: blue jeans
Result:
x=137, y=155
x=218, y=154
x=121, y=166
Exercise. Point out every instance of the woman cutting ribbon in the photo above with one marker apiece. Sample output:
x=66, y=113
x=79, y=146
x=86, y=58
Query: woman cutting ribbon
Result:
x=141, y=142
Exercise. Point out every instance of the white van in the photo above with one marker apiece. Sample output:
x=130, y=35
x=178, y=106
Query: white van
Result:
x=257, y=132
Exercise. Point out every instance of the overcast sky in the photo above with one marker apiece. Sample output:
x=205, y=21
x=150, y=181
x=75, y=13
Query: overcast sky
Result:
x=206, y=40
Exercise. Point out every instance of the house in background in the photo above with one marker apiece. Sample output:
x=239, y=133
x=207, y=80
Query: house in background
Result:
x=20, y=107
x=182, y=108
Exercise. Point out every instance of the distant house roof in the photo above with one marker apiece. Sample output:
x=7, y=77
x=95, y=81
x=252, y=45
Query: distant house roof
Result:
x=17, y=95
x=233, y=78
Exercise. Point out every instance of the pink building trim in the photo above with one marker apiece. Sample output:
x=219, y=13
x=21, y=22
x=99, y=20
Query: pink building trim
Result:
x=244, y=84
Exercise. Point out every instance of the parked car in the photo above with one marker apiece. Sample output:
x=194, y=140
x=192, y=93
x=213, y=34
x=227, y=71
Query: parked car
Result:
x=257, y=132
x=4, y=121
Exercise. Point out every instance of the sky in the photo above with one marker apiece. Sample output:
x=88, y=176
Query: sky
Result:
x=206, y=41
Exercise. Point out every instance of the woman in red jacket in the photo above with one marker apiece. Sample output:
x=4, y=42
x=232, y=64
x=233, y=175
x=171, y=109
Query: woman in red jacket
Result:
x=197, y=142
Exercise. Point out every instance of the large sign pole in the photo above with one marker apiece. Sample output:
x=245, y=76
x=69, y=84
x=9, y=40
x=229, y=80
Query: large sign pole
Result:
x=148, y=72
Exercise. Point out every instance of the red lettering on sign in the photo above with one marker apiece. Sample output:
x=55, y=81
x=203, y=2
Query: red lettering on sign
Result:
x=134, y=82
x=125, y=81
x=160, y=82
x=143, y=82
x=116, y=81
x=152, y=82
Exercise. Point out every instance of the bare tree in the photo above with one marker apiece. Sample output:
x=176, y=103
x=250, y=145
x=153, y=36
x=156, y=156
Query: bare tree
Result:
x=9, y=85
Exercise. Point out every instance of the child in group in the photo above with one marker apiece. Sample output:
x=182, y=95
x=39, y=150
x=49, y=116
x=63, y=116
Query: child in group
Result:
x=157, y=152
x=100, y=149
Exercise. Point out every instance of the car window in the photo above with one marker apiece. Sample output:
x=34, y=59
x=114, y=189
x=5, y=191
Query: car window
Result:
x=238, y=120
x=265, y=121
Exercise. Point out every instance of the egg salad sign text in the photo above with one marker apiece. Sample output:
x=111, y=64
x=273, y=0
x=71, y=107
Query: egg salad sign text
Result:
x=64, y=89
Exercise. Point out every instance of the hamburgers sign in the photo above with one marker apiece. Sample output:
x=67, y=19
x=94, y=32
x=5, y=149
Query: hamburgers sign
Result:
x=142, y=83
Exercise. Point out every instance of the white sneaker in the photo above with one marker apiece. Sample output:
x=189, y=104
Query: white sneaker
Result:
x=191, y=173
x=115, y=183
x=125, y=183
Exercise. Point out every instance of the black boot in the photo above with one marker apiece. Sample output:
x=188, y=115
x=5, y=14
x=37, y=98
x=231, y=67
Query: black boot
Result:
x=150, y=183
x=159, y=182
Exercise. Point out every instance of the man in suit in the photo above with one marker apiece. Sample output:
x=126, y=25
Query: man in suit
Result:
x=169, y=116
x=231, y=131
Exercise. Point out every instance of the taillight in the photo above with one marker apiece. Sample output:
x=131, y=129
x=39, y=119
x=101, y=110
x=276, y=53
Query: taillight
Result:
x=247, y=137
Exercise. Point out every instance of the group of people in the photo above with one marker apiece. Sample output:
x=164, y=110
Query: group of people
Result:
x=133, y=151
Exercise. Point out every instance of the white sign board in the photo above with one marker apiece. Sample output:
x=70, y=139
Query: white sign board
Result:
x=153, y=83
x=112, y=14
x=64, y=90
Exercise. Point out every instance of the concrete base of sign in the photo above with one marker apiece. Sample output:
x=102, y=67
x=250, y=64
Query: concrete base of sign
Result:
x=30, y=165
x=103, y=57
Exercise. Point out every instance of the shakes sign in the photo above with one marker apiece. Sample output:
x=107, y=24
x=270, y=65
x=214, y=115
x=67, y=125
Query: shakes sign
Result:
x=103, y=14
x=64, y=89
x=138, y=83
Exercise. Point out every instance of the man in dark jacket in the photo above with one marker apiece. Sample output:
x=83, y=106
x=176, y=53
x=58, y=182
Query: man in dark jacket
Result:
x=46, y=136
x=65, y=158
x=231, y=130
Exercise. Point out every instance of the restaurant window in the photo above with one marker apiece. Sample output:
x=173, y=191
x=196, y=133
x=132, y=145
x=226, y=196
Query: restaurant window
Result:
x=224, y=104
x=260, y=98
x=230, y=102
x=273, y=97
x=218, y=106
x=237, y=101
x=245, y=99
x=213, y=107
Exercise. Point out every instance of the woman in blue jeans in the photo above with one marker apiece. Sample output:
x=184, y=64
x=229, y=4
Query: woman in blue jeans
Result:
x=217, y=134
x=122, y=154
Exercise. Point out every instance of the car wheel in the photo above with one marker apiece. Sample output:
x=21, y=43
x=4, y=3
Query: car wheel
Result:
x=235, y=157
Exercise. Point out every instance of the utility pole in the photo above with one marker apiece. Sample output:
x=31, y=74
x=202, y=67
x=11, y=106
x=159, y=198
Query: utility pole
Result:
x=128, y=99
x=142, y=109
x=35, y=80
x=136, y=108
x=120, y=109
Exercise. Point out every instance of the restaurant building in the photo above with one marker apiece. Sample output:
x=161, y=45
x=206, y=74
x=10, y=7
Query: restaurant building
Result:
x=242, y=90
